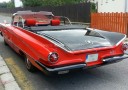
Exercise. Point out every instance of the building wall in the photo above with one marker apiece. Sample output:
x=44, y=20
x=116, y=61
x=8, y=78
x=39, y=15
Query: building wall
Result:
x=126, y=5
x=112, y=5
x=18, y=3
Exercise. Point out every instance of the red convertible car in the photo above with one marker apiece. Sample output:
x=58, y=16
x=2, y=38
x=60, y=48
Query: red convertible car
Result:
x=53, y=45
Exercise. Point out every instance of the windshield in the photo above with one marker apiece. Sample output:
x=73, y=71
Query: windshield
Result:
x=38, y=17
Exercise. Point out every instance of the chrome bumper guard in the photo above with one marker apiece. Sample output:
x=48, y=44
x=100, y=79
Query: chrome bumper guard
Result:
x=114, y=59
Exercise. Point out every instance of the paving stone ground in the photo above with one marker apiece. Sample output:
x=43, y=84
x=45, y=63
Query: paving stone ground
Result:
x=7, y=81
x=1, y=86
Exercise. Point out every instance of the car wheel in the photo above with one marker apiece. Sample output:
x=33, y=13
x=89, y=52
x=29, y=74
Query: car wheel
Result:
x=5, y=43
x=30, y=67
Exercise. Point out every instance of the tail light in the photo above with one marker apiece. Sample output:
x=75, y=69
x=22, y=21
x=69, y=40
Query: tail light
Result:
x=53, y=57
x=125, y=46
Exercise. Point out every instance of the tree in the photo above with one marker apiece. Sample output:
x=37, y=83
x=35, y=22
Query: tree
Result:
x=7, y=5
x=62, y=2
x=12, y=1
x=93, y=7
x=10, y=4
x=3, y=5
x=34, y=3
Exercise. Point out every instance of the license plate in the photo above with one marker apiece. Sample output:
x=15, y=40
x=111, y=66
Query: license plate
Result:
x=91, y=57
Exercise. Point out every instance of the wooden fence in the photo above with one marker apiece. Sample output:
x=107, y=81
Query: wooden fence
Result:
x=115, y=22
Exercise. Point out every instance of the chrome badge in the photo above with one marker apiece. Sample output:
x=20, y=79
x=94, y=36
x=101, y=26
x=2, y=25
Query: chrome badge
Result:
x=88, y=42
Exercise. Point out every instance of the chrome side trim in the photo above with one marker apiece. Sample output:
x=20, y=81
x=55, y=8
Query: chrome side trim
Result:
x=121, y=40
x=106, y=38
x=50, y=37
x=52, y=42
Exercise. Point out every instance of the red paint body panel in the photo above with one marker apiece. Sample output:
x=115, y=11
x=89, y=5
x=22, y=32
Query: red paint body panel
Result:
x=38, y=48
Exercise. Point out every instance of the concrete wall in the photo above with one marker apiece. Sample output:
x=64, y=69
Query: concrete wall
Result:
x=112, y=5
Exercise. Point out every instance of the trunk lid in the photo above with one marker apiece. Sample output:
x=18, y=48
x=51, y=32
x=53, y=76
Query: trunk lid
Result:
x=77, y=39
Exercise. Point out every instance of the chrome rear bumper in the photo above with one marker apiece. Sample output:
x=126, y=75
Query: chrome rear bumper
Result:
x=114, y=59
x=106, y=61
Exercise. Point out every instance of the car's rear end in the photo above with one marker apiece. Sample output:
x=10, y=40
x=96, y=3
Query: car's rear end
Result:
x=80, y=48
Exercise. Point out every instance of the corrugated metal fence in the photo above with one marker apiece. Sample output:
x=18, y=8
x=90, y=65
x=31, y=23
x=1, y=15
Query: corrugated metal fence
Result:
x=115, y=22
x=77, y=12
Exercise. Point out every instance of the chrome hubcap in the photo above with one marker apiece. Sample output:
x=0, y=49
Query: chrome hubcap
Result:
x=28, y=64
